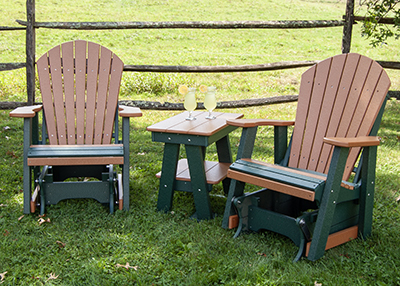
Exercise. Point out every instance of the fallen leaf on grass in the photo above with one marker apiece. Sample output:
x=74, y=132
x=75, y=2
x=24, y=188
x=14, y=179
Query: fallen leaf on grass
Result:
x=60, y=244
x=261, y=254
x=6, y=232
x=2, y=276
x=52, y=276
x=12, y=154
x=3, y=205
x=41, y=221
x=21, y=217
x=127, y=266
x=345, y=255
x=317, y=284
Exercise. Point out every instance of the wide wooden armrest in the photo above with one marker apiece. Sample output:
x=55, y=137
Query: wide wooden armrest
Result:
x=26, y=111
x=362, y=141
x=258, y=122
x=129, y=111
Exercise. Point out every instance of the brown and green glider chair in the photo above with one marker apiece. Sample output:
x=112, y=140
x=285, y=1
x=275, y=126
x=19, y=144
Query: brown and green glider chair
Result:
x=80, y=142
x=319, y=192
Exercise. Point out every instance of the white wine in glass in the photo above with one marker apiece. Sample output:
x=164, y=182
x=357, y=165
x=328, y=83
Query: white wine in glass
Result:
x=190, y=103
x=210, y=102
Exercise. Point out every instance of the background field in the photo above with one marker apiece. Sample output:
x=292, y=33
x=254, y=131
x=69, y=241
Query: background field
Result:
x=84, y=245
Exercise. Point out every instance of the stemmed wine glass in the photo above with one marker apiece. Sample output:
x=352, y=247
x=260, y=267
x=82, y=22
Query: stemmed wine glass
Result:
x=210, y=102
x=190, y=103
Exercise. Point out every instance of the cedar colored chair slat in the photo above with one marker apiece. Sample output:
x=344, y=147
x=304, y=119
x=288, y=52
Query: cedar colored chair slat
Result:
x=68, y=72
x=45, y=89
x=79, y=82
x=341, y=101
x=115, y=79
x=104, y=73
x=58, y=98
x=92, y=75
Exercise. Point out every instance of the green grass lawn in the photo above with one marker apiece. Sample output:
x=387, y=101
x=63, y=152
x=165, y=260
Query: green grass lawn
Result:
x=82, y=244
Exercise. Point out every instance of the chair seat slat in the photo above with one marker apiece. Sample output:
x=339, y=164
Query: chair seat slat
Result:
x=280, y=175
x=75, y=150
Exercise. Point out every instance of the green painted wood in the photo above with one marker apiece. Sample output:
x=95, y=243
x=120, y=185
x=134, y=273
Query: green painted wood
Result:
x=236, y=189
x=367, y=191
x=280, y=143
x=264, y=219
x=58, y=191
x=75, y=151
x=27, y=173
x=224, y=150
x=328, y=203
x=278, y=175
x=246, y=144
x=224, y=156
x=125, y=167
x=199, y=183
x=167, y=180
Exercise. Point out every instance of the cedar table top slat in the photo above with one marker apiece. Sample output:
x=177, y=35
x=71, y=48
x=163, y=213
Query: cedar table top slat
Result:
x=201, y=126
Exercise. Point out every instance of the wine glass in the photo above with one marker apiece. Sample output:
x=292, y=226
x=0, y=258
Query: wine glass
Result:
x=210, y=102
x=190, y=103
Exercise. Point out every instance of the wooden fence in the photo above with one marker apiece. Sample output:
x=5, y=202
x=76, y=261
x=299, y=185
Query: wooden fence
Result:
x=30, y=25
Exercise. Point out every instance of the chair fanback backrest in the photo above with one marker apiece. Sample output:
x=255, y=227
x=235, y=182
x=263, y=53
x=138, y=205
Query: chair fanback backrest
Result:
x=79, y=83
x=339, y=97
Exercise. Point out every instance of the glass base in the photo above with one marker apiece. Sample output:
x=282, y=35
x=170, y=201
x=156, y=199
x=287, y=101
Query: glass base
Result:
x=190, y=118
x=210, y=117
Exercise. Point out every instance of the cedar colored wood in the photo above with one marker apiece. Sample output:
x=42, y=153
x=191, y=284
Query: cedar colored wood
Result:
x=179, y=125
x=215, y=172
x=90, y=119
x=340, y=102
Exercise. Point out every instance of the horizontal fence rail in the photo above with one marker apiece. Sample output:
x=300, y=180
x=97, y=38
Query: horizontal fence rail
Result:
x=212, y=69
x=11, y=66
x=188, y=25
x=5, y=28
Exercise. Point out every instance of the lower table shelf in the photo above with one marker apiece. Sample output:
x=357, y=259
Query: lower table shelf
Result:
x=215, y=171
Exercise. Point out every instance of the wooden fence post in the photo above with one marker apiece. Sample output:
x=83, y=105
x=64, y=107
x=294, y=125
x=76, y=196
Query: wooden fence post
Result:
x=30, y=51
x=348, y=27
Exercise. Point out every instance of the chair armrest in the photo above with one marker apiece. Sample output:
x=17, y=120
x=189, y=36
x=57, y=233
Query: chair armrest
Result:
x=258, y=122
x=26, y=111
x=129, y=111
x=363, y=141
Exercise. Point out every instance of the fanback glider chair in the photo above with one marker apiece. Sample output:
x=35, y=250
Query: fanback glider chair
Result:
x=79, y=84
x=308, y=195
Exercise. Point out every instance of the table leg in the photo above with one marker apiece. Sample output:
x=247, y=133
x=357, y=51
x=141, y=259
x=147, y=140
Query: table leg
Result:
x=224, y=156
x=168, y=173
x=195, y=156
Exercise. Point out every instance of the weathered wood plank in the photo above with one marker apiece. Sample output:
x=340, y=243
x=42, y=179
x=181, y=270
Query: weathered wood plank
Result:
x=189, y=25
x=155, y=105
x=209, y=69
x=11, y=66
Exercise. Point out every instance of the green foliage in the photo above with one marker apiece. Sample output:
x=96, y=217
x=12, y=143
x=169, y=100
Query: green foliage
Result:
x=145, y=84
x=377, y=10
